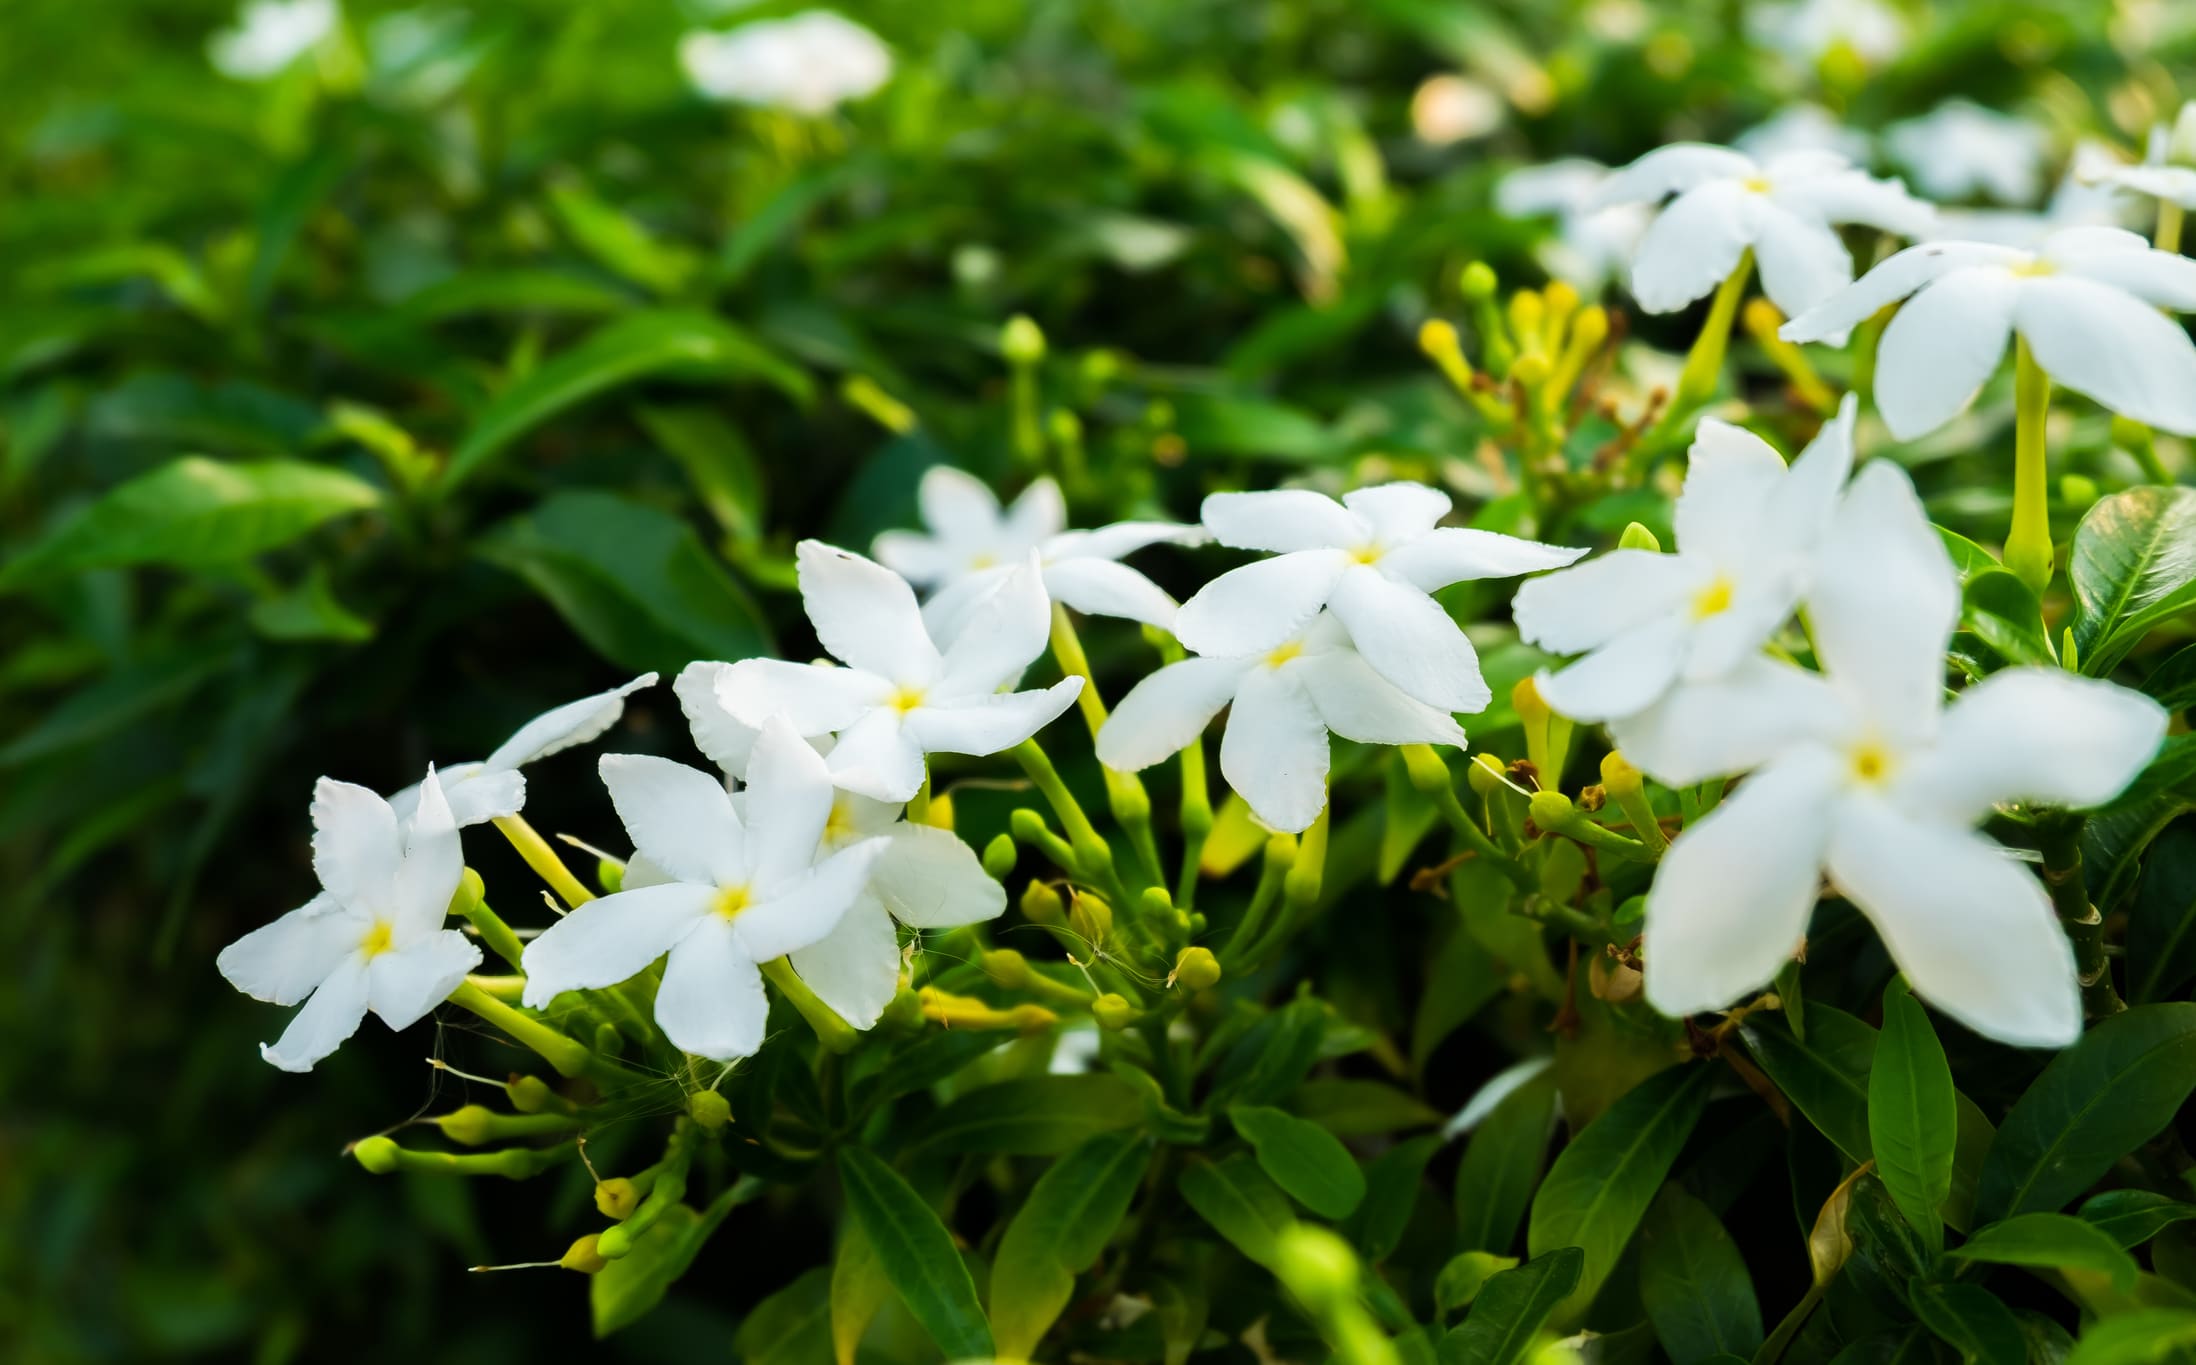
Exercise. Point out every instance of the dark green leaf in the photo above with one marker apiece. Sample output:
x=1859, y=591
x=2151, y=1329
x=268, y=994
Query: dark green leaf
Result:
x=1511, y=1307
x=2152, y=1336
x=2133, y=564
x=1240, y=1202
x=1303, y=1158
x=2133, y=1217
x=791, y=1327
x=1348, y=1107
x=1271, y=1058
x=2002, y=611
x=1826, y=1077
x=2161, y=926
x=2173, y=683
x=917, y=1254
x=1392, y=1185
x=718, y=461
x=1973, y=1320
x=1030, y=1116
x=1693, y=1281
x=625, y=1289
x=1502, y=1165
x=1061, y=1228
x=2051, y=1241
x=1913, y=1114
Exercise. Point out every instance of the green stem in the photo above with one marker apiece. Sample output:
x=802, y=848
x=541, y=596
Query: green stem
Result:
x=2169, y=226
x=544, y=860
x=2060, y=842
x=383, y=1157
x=833, y=1032
x=1431, y=776
x=1125, y=794
x=2028, y=543
x=1704, y=362
x=1236, y=954
x=1196, y=822
x=1092, y=853
x=568, y=1055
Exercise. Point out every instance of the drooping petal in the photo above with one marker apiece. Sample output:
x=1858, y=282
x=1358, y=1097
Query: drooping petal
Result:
x=877, y=757
x=1037, y=515
x=956, y=505
x=865, y=614
x=1730, y=475
x=356, y=847
x=930, y=878
x=1409, y=640
x=433, y=862
x=723, y=738
x=1163, y=713
x=1694, y=244
x=1274, y=751
x=332, y=1014
x=1356, y=703
x=1121, y=538
x=1254, y=608
x=678, y=816
x=282, y=962
x=612, y=938
x=1803, y=260
x=1588, y=606
x=1283, y=520
x=1671, y=169
x=1001, y=634
x=1971, y=928
x=1942, y=347
x=1100, y=587
x=855, y=969
x=815, y=699
x=1884, y=604
x=801, y=909
x=711, y=1002
x=572, y=723
x=988, y=724
x=1732, y=897
x=405, y=983
x=1398, y=512
x=475, y=797
x=1458, y=554
x=788, y=802
x=1622, y=677
x=2164, y=279
x=1701, y=730
x=2106, y=343
x=1891, y=281
x=2032, y=734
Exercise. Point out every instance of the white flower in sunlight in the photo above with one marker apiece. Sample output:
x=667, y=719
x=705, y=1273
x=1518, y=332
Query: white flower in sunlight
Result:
x=740, y=892
x=1374, y=559
x=1871, y=778
x=373, y=938
x=900, y=696
x=1747, y=528
x=1283, y=700
x=494, y=787
x=2079, y=201
x=2086, y=302
x=1806, y=31
x=1591, y=245
x=1785, y=210
x=2156, y=175
x=1960, y=150
x=973, y=545
x=1804, y=128
x=269, y=35
x=807, y=64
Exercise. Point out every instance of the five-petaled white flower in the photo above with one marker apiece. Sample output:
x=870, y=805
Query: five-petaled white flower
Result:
x=740, y=892
x=809, y=63
x=1590, y=245
x=373, y=938
x=1747, y=529
x=1961, y=150
x=2086, y=302
x=1784, y=209
x=973, y=545
x=1867, y=775
x=494, y=787
x=269, y=35
x=1282, y=702
x=900, y=696
x=1373, y=559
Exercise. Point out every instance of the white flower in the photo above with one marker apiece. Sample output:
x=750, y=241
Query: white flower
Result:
x=1961, y=150
x=1747, y=528
x=373, y=938
x=494, y=787
x=1282, y=702
x=2155, y=175
x=1373, y=559
x=1784, y=209
x=807, y=64
x=740, y=892
x=1870, y=778
x=900, y=696
x=2079, y=201
x=973, y=545
x=269, y=35
x=1804, y=128
x=2086, y=302
x=1808, y=30
x=1590, y=245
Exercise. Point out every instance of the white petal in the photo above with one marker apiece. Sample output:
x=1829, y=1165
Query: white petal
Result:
x=2166, y=279
x=930, y=878
x=788, y=802
x=356, y=847
x=855, y=969
x=475, y=797
x=1590, y=605
x=573, y=723
x=1884, y=604
x=1852, y=196
x=1100, y=587
x=920, y=559
x=1254, y=608
x=1283, y=520
x=404, y=984
x=2032, y=734
x=1357, y=703
x=1694, y=244
x=865, y=614
x=1038, y=514
x=1410, y=640
x=611, y=938
x=1672, y=169
x=815, y=699
x=801, y=909
x=878, y=757
x=332, y=1014
x=1398, y=512
x=282, y=962
x=432, y=865
x=1803, y=261
x=1163, y=713
x=1732, y=897
x=1621, y=678
x=1972, y=930
x=1456, y=554
x=988, y=724
x=1730, y=475
x=1760, y=605
x=1713, y=729
x=1799, y=508
x=679, y=816
x=1002, y=633
x=711, y=1003
x=723, y=738
x=956, y=505
x=949, y=608
x=1942, y=347
x=1121, y=538
x=2113, y=347
x=1274, y=752
x=1891, y=281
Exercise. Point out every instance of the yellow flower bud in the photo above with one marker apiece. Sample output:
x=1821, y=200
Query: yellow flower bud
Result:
x=377, y=1154
x=1478, y=281
x=1091, y=917
x=1021, y=342
x=709, y=1110
x=583, y=1256
x=528, y=1094
x=1619, y=778
x=1550, y=809
x=1113, y=1011
x=1486, y=775
x=468, y=1125
x=1196, y=969
x=1006, y=967
x=999, y=857
x=1042, y=905
x=1638, y=537
x=617, y=1197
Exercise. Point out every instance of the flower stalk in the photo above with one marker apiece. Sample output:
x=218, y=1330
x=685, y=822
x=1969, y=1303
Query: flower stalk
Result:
x=2028, y=550
x=544, y=860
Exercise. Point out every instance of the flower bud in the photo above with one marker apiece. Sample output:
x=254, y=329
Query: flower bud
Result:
x=1619, y=777
x=468, y=1126
x=1020, y=341
x=1437, y=338
x=608, y=1041
x=617, y=1197
x=610, y=875
x=709, y=1110
x=1155, y=905
x=940, y=814
x=1006, y=967
x=1091, y=917
x=1533, y=370
x=1113, y=1011
x=1478, y=281
x=1638, y=537
x=1042, y=905
x=377, y=1154
x=583, y=1256
x=529, y=1094
x=1425, y=768
x=1550, y=809
x=999, y=857
x=2077, y=491
x=1486, y=775
x=1317, y=1265
x=1196, y=969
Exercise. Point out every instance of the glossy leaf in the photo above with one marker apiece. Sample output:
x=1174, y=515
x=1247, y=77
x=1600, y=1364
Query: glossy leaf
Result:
x=1059, y=1230
x=2133, y=1217
x=2161, y=924
x=1502, y=1165
x=2051, y=1241
x=1913, y=1114
x=1304, y=1159
x=1393, y=1183
x=2002, y=611
x=2133, y=564
x=917, y=1254
x=1511, y=1307
x=2150, y=1337
x=1240, y=1203
x=1694, y=1282
x=1030, y=1116
x=791, y=1327
x=859, y=1288
x=1973, y=1320
x=1826, y=1077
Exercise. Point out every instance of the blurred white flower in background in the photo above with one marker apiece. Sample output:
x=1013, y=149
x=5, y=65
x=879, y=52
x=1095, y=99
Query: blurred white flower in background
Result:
x=1804, y=128
x=1591, y=245
x=1960, y=150
x=807, y=64
x=269, y=35
x=2167, y=173
x=2082, y=199
x=1806, y=31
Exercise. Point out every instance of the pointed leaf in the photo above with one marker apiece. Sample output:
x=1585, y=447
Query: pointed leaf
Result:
x=2133, y=564
x=1826, y=1077
x=917, y=1253
x=2051, y=1241
x=1502, y=1166
x=1510, y=1308
x=1303, y=1158
x=1975, y=1321
x=2133, y=1217
x=1062, y=1227
x=1240, y=1202
x=1693, y=1281
x=1913, y=1114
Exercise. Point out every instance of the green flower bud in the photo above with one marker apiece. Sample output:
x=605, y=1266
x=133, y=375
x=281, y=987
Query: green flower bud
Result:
x=1196, y=969
x=1316, y=1265
x=1619, y=778
x=1091, y=917
x=1478, y=281
x=1042, y=905
x=469, y=1126
x=1112, y=1011
x=1550, y=809
x=610, y=876
x=1006, y=967
x=608, y=1041
x=1155, y=905
x=583, y=1257
x=1021, y=342
x=1638, y=537
x=377, y=1154
x=529, y=1094
x=2077, y=491
x=617, y=1197
x=1486, y=775
x=999, y=857
x=2181, y=145
x=710, y=1110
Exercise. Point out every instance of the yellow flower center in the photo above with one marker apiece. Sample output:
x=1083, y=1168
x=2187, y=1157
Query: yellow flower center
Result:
x=2036, y=267
x=731, y=900
x=906, y=699
x=1713, y=600
x=1367, y=554
x=1759, y=184
x=1283, y=653
x=839, y=825
x=379, y=939
x=982, y=560
x=1872, y=763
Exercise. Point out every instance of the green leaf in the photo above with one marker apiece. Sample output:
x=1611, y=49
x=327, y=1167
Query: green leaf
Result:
x=717, y=460
x=1502, y=1165
x=791, y=1327
x=2133, y=564
x=2148, y=1337
x=1462, y=979
x=1240, y=1202
x=1061, y=1228
x=1391, y=1194
x=617, y=241
x=632, y=581
x=2003, y=612
x=1510, y=1308
x=2161, y=926
x=1973, y=1320
x=858, y=1289
x=2115, y=1089
x=1347, y=1106
x=1967, y=557
x=193, y=513
x=1303, y=1158
x=1253, y=428
x=1464, y=1276
x=1030, y=1116
x=640, y=346
x=309, y=611
x=625, y=1289
x=1913, y=1114
x=134, y=689
x=1693, y=1281
x=1826, y=1077
x=2133, y=1217
x=1908, y=1345
x=2172, y=684
x=917, y=1254
x=1600, y=1185
x=2051, y=1241
x=1270, y=1059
